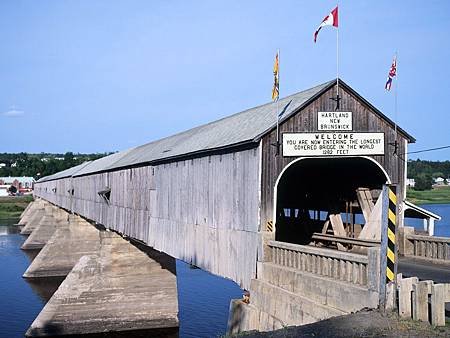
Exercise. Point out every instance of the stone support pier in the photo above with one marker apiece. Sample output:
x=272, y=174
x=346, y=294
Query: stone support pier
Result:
x=110, y=285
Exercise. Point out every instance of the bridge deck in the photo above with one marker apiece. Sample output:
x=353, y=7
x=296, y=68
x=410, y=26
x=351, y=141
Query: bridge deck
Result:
x=424, y=270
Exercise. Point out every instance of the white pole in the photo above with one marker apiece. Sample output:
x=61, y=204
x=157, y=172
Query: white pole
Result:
x=278, y=118
x=337, y=58
x=395, y=98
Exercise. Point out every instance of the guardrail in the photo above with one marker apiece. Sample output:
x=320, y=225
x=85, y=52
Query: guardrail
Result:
x=344, y=266
x=421, y=300
x=436, y=248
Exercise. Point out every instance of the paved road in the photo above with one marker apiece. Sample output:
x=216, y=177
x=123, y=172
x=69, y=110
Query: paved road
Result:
x=409, y=267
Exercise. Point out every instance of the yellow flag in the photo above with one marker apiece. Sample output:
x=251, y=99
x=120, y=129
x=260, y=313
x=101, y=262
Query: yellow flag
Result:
x=276, y=84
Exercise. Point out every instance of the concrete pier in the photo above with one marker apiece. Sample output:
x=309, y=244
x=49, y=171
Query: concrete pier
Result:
x=29, y=211
x=119, y=288
x=33, y=221
x=45, y=229
x=64, y=249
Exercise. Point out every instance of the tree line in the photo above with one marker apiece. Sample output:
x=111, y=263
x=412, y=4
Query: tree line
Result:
x=43, y=164
x=424, y=172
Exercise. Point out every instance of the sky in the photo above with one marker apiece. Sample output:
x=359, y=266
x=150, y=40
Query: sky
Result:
x=98, y=76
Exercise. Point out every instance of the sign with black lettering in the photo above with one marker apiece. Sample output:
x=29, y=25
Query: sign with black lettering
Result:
x=333, y=144
x=334, y=121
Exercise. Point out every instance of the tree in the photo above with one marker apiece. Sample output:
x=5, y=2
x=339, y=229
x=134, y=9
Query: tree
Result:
x=423, y=182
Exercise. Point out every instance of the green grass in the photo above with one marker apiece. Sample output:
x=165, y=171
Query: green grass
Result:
x=440, y=195
x=12, y=207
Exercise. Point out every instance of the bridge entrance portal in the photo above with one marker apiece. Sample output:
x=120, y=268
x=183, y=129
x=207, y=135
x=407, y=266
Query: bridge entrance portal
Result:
x=320, y=195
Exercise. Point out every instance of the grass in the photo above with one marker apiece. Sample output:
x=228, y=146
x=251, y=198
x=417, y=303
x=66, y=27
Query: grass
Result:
x=12, y=206
x=438, y=195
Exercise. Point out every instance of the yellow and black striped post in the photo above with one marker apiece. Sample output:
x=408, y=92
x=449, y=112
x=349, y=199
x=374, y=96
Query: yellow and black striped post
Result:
x=391, y=243
x=388, y=256
x=269, y=227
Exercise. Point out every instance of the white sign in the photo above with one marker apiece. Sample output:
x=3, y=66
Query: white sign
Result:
x=334, y=121
x=333, y=144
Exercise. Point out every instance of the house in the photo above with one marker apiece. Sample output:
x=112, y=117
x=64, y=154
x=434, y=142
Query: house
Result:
x=439, y=181
x=410, y=182
x=22, y=183
x=4, y=190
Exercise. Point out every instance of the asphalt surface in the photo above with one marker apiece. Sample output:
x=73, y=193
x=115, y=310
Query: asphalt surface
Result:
x=409, y=267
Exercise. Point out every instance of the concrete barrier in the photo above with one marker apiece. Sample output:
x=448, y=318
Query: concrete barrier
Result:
x=430, y=248
x=344, y=266
x=416, y=298
x=301, y=284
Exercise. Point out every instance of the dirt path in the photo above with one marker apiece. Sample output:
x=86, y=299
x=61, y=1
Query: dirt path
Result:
x=366, y=323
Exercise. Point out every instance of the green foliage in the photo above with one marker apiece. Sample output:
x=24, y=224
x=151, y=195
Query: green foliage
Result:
x=12, y=207
x=434, y=196
x=43, y=164
x=423, y=182
x=434, y=169
x=424, y=171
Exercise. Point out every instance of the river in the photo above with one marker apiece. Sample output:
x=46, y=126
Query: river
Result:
x=203, y=299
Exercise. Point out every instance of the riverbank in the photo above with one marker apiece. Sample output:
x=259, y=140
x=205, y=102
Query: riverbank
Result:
x=438, y=195
x=366, y=323
x=12, y=206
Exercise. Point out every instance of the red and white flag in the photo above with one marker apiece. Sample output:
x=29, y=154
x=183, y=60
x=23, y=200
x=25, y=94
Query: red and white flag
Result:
x=330, y=20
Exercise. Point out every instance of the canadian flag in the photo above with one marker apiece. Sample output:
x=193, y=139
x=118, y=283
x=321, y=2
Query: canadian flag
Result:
x=330, y=20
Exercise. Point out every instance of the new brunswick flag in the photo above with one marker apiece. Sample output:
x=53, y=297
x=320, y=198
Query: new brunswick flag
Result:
x=276, y=84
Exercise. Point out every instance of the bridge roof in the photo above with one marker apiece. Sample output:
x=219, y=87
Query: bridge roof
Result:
x=65, y=173
x=240, y=129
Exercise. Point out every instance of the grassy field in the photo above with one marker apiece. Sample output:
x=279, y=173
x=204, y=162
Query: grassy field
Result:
x=12, y=206
x=439, y=195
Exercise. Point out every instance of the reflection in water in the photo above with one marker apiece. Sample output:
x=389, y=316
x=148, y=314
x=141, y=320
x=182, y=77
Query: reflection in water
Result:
x=45, y=287
x=31, y=254
x=8, y=229
x=203, y=299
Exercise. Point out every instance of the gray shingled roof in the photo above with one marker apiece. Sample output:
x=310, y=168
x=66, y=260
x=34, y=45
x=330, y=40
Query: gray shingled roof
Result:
x=246, y=126
x=238, y=129
x=65, y=173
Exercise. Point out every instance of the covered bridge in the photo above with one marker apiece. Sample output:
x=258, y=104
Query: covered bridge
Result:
x=207, y=195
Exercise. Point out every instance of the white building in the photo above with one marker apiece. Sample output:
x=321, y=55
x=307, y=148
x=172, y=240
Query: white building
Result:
x=439, y=180
x=4, y=190
x=20, y=182
x=410, y=182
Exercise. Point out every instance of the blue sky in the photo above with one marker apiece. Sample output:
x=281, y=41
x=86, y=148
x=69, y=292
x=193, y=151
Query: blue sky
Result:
x=95, y=76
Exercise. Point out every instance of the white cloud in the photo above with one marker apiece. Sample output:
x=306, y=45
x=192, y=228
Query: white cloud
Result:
x=13, y=113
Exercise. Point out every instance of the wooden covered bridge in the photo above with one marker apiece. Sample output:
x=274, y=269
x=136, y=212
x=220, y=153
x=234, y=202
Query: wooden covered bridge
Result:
x=214, y=195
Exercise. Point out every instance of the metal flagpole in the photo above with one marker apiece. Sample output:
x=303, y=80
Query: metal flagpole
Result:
x=395, y=101
x=278, y=98
x=337, y=61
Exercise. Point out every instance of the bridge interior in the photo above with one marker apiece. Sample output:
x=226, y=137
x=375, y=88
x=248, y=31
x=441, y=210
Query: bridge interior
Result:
x=312, y=189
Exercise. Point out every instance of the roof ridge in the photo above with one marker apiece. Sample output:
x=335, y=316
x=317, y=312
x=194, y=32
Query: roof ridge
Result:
x=235, y=114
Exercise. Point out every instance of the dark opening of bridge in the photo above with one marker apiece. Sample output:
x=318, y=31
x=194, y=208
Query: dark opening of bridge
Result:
x=311, y=189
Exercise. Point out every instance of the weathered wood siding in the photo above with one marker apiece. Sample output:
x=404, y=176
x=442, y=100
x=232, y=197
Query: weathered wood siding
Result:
x=204, y=210
x=364, y=120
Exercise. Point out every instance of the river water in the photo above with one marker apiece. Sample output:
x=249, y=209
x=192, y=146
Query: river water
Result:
x=203, y=299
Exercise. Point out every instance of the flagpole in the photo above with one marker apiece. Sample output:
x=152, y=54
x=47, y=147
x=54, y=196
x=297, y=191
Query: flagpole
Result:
x=396, y=93
x=278, y=117
x=337, y=61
